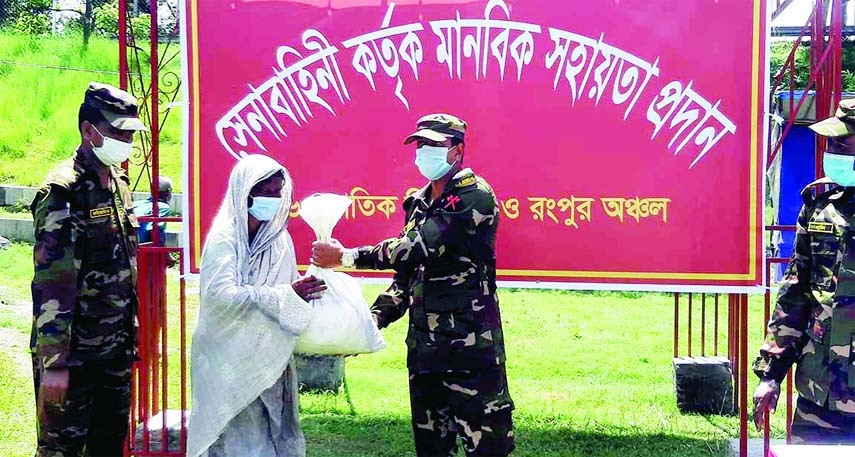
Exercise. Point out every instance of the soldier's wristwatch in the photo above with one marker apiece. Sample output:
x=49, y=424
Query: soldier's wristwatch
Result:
x=348, y=258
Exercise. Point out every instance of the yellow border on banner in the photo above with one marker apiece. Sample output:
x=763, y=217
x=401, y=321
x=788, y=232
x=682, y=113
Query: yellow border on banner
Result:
x=197, y=205
x=755, y=139
x=753, y=220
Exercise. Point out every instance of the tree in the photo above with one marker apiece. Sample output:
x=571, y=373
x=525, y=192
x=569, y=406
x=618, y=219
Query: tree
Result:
x=781, y=50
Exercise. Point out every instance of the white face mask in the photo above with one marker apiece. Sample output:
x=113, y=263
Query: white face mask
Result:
x=111, y=151
x=264, y=208
x=432, y=161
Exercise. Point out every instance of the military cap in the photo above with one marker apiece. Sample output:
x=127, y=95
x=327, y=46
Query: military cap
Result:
x=438, y=127
x=116, y=105
x=843, y=122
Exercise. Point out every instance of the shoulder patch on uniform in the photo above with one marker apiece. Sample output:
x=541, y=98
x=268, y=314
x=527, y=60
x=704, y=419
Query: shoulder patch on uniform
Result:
x=63, y=175
x=812, y=192
x=467, y=181
x=820, y=227
x=95, y=213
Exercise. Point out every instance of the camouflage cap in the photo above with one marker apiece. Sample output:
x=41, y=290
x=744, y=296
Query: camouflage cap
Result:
x=843, y=122
x=438, y=127
x=116, y=105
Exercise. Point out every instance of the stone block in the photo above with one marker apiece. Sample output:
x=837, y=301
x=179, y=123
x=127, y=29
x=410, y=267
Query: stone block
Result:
x=319, y=372
x=17, y=229
x=155, y=434
x=704, y=385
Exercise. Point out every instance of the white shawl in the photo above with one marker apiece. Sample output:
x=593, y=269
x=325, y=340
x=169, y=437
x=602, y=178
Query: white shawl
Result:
x=249, y=316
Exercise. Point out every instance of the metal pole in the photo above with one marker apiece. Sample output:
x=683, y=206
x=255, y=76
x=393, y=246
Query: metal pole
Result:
x=155, y=122
x=743, y=378
x=123, y=45
x=703, y=324
x=676, y=322
x=689, y=352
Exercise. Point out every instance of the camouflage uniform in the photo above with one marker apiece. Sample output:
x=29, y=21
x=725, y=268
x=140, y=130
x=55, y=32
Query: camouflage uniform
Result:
x=445, y=275
x=84, y=298
x=813, y=324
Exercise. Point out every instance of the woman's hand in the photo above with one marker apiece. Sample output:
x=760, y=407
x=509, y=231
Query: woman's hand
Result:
x=309, y=287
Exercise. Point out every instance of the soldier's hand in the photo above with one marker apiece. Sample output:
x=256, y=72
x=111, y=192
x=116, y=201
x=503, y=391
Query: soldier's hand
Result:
x=309, y=287
x=53, y=386
x=765, y=399
x=327, y=255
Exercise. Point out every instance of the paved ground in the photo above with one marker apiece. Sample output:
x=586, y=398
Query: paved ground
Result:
x=755, y=447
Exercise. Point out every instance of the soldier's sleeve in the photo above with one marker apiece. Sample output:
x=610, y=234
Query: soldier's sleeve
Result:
x=460, y=216
x=785, y=335
x=56, y=263
x=392, y=303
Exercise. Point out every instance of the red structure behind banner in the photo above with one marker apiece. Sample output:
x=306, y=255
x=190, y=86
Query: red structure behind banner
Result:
x=626, y=149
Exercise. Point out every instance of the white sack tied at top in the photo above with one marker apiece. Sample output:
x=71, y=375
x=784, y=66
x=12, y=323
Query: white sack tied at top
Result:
x=341, y=323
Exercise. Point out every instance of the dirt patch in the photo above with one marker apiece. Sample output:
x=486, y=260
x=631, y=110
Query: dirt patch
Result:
x=16, y=345
x=14, y=342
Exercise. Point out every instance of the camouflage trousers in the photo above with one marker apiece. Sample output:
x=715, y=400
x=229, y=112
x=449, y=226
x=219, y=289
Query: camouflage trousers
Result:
x=815, y=424
x=93, y=420
x=476, y=406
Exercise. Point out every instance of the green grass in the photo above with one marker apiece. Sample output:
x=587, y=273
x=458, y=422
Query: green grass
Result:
x=17, y=410
x=13, y=213
x=40, y=95
x=590, y=373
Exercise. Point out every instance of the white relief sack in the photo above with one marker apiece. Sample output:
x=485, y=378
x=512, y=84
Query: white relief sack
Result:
x=341, y=322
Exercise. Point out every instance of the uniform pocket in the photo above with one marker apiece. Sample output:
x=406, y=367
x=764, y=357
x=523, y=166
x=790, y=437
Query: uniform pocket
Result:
x=450, y=318
x=99, y=242
x=448, y=303
x=824, y=251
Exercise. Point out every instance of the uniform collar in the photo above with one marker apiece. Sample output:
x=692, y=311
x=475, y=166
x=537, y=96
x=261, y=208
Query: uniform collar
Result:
x=464, y=175
x=88, y=163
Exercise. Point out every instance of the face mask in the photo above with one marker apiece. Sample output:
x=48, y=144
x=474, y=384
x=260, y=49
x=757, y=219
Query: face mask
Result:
x=112, y=151
x=264, y=208
x=839, y=168
x=432, y=161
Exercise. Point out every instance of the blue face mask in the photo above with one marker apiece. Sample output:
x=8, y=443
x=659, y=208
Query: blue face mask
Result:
x=264, y=208
x=432, y=162
x=840, y=168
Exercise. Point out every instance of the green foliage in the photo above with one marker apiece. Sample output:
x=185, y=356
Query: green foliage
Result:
x=107, y=22
x=779, y=55
x=30, y=17
x=38, y=106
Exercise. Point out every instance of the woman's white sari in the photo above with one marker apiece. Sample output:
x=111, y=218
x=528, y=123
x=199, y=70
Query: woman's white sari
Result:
x=244, y=390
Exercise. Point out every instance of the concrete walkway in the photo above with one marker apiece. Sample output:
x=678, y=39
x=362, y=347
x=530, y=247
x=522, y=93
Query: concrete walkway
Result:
x=21, y=229
x=755, y=447
x=13, y=195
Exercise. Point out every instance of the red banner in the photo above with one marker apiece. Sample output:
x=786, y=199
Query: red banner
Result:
x=623, y=139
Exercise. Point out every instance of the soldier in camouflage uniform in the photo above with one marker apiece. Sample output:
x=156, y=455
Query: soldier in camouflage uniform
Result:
x=445, y=276
x=84, y=296
x=813, y=324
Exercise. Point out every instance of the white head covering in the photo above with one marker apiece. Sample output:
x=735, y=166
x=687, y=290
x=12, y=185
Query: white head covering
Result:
x=232, y=218
x=249, y=316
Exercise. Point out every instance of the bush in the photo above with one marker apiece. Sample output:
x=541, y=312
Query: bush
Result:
x=30, y=16
x=32, y=24
x=107, y=22
x=781, y=50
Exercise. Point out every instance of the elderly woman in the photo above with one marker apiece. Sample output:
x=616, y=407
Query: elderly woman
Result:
x=253, y=307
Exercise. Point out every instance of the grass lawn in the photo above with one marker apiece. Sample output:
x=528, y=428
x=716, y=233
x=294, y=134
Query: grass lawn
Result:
x=590, y=373
x=43, y=80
